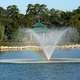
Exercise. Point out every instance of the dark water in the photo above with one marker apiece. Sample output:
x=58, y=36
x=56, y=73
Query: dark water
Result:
x=65, y=71
x=49, y=71
x=67, y=53
x=21, y=55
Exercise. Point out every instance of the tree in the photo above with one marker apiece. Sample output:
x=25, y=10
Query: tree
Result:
x=2, y=29
x=13, y=24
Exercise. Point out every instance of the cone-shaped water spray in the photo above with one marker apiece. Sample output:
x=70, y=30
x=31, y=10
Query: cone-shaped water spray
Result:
x=48, y=39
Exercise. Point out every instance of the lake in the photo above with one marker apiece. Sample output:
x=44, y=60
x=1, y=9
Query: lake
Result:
x=40, y=71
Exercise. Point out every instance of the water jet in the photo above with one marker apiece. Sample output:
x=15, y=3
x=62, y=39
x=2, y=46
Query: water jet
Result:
x=46, y=38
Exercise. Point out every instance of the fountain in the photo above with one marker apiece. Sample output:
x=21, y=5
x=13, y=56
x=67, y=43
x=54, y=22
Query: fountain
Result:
x=47, y=39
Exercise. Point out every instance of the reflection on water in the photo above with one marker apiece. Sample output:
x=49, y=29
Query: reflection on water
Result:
x=70, y=53
x=67, y=53
x=20, y=55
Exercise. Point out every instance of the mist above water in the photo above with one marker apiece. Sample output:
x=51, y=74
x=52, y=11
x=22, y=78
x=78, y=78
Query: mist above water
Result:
x=48, y=40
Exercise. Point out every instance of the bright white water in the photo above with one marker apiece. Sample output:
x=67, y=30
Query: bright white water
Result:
x=48, y=40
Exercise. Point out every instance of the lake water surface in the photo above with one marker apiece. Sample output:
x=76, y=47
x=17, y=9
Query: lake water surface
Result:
x=66, y=71
x=40, y=71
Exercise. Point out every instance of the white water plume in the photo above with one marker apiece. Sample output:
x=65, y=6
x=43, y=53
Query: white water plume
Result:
x=48, y=40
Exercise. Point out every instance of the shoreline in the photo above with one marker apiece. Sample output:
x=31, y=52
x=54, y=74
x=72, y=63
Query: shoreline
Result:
x=36, y=48
x=55, y=60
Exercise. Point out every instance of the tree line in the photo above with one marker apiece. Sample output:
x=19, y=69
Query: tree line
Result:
x=11, y=19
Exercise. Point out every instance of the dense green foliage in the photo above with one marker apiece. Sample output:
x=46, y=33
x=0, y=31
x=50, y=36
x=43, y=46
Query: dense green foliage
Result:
x=11, y=19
